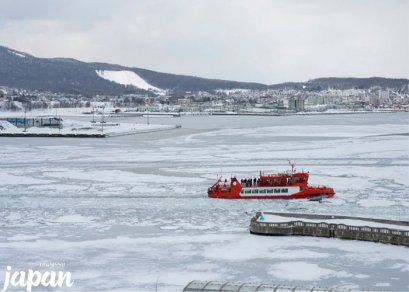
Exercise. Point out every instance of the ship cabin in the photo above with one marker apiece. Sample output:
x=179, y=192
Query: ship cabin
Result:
x=283, y=179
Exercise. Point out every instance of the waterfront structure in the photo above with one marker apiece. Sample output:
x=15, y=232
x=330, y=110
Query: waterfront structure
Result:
x=342, y=227
x=196, y=286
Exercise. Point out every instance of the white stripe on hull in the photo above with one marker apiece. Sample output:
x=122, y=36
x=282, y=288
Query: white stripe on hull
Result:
x=269, y=191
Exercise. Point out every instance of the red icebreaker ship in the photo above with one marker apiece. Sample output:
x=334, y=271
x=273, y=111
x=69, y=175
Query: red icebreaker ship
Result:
x=286, y=185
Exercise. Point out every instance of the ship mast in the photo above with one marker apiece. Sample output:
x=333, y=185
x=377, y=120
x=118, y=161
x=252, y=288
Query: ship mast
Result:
x=292, y=166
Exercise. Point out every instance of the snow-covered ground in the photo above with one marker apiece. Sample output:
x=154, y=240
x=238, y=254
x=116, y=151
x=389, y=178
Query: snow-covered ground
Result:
x=101, y=109
x=132, y=213
x=57, y=112
x=87, y=128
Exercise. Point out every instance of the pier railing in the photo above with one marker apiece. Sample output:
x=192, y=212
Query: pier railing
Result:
x=323, y=229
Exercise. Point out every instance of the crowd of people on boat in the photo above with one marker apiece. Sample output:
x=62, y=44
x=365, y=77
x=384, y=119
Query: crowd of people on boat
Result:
x=250, y=182
x=256, y=182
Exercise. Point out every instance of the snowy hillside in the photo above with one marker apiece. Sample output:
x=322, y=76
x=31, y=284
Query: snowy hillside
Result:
x=126, y=78
x=66, y=75
x=17, y=54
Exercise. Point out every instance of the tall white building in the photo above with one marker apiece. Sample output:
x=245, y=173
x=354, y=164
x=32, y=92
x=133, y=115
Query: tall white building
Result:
x=383, y=95
x=374, y=101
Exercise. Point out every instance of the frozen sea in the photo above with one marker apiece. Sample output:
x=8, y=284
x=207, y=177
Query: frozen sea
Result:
x=131, y=213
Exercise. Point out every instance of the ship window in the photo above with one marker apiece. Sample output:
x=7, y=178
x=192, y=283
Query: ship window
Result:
x=224, y=191
x=276, y=190
x=255, y=191
x=284, y=190
x=242, y=192
x=263, y=191
x=270, y=191
x=247, y=191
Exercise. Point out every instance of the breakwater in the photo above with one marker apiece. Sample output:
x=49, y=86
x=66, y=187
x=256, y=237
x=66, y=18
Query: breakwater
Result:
x=196, y=286
x=75, y=134
x=396, y=236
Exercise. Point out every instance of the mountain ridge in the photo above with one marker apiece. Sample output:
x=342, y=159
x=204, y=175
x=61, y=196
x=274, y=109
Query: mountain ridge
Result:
x=68, y=75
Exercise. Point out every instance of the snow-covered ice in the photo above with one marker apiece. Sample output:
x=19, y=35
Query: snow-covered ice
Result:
x=297, y=270
x=132, y=213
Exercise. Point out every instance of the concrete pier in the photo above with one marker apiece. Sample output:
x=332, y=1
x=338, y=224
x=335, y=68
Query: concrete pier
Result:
x=82, y=134
x=196, y=286
x=396, y=236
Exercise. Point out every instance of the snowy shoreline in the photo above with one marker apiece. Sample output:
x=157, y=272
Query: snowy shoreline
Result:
x=76, y=129
x=124, y=112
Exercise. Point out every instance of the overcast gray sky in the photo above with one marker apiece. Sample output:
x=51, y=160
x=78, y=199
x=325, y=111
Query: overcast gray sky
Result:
x=264, y=41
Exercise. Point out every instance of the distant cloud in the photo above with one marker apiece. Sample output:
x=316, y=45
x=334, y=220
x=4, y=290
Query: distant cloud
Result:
x=261, y=40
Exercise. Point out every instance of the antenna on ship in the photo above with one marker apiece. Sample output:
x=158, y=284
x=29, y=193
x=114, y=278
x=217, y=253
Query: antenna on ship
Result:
x=292, y=166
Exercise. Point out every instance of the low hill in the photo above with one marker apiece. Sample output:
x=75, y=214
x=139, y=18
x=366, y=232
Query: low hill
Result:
x=21, y=70
x=345, y=83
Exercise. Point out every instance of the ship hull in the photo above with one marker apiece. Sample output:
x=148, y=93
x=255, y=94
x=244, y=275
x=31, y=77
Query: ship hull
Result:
x=294, y=197
x=235, y=191
x=300, y=195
